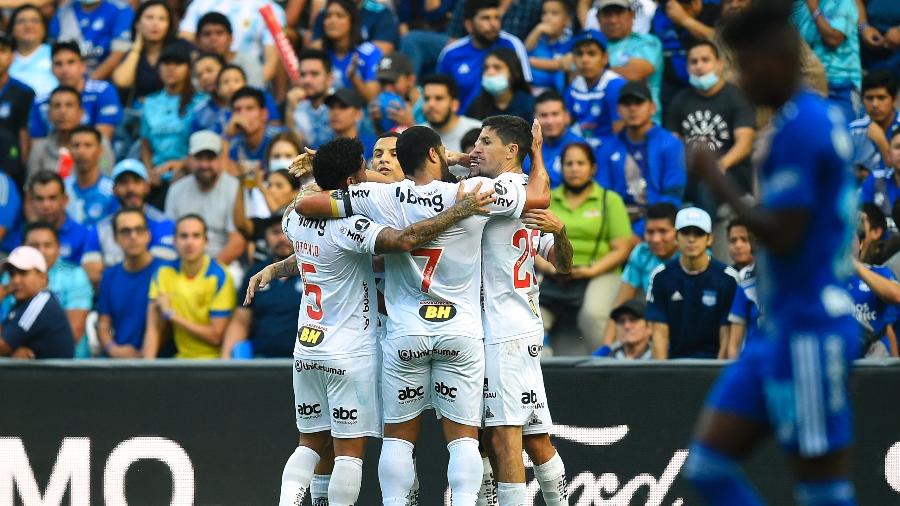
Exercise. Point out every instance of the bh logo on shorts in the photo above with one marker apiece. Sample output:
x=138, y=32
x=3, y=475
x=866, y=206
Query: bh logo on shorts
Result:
x=436, y=313
x=309, y=410
x=310, y=336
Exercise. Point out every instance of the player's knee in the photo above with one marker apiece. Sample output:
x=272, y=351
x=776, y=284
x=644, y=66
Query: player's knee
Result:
x=346, y=480
x=539, y=448
x=505, y=442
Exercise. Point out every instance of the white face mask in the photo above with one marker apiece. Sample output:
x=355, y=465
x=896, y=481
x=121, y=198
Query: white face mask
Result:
x=279, y=163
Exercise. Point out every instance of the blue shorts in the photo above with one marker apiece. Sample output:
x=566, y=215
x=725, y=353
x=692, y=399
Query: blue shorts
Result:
x=797, y=385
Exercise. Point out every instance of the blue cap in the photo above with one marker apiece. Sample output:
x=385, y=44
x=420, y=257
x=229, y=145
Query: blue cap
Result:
x=594, y=36
x=130, y=165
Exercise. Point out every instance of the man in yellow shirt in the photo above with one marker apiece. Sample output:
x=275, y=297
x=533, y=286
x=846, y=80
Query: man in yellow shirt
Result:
x=192, y=297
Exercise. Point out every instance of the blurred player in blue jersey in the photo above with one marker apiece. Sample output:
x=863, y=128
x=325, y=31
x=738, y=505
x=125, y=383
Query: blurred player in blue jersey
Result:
x=791, y=380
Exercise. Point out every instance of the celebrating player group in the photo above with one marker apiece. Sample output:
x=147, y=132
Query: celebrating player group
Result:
x=457, y=330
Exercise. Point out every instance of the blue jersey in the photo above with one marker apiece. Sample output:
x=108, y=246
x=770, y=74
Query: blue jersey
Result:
x=464, y=61
x=100, y=102
x=73, y=240
x=240, y=150
x=808, y=284
x=552, y=150
x=593, y=107
x=210, y=116
x=10, y=214
x=368, y=55
x=551, y=50
x=103, y=29
x=865, y=153
x=90, y=205
x=744, y=309
x=868, y=308
x=881, y=191
x=128, y=314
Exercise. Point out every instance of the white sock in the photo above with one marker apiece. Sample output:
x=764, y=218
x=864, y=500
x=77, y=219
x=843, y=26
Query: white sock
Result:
x=412, y=498
x=318, y=489
x=297, y=474
x=346, y=479
x=464, y=472
x=511, y=494
x=552, y=477
x=396, y=471
x=487, y=496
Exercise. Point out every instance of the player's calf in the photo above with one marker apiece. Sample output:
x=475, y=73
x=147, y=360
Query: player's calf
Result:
x=549, y=469
x=298, y=470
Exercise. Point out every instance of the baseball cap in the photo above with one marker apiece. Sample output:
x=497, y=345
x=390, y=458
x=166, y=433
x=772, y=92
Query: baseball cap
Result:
x=7, y=40
x=693, y=217
x=635, y=89
x=586, y=36
x=26, y=258
x=176, y=52
x=633, y=306
x=130, y=165
x=610, y=3
x=345, y=96
x=204, y=140
x=394, y=65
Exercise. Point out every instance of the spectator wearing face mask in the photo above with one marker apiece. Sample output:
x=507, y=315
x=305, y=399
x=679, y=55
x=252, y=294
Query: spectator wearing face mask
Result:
x=503, y=88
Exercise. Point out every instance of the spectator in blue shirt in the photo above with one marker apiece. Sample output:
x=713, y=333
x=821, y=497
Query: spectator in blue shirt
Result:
x=400, y=103
x=11, y=219
x=48, y=199
x=549, y=46
x=680, y=24
x=644, y=163
x=464, y=58
x=504, y=90
x=871, y=134
x=879, y=31
x=214, y=113
x=102, y=28
x=28, y=26
x=266, y=325
x=354, y=62
x=99, y=99
x=378, y=24
x=876, y=294
x=744, y=315
x=593, y=94
x=131, y=186
x=550, y=111
x=250, y=120
x=120, y=327
x=37, y=326
x=15, y=105
x=830, y=27
x=690, y=297
x=884, y=192
x=658, y=247
x=167, y=114
x=90, y=192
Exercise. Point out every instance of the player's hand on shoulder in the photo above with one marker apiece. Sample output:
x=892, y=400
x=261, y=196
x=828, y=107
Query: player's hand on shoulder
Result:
x=543, y=220
x=473, y=202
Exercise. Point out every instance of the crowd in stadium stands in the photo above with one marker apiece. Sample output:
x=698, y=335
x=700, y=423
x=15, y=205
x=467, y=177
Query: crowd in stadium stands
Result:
x=145, y=147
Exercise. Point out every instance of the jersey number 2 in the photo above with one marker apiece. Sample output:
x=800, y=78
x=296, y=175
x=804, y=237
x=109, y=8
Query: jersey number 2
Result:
x=432, y=257
x=528, y=237
x=313, y=311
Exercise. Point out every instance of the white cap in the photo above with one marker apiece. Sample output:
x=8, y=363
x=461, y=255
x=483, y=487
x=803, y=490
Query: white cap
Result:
x=26, y=258
x=693, y=217
x=204, y=140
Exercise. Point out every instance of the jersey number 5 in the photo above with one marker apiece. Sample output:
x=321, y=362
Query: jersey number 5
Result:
x=314, y=311
x=432, y=257
x=525, y=240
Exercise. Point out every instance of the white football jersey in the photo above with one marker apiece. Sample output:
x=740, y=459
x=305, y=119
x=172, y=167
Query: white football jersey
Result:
x=338, y=317
x=511, y=306
x=435, y=289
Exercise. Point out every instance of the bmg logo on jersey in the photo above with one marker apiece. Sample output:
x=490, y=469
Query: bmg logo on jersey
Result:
x=437, y=313
x=410, y=394
x=343, y=414
x=444, y=390
x=310, y=336
x=309, y=410
x=435, y=202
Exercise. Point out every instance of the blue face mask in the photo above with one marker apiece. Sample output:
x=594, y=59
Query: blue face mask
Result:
x=495, y=84
x=704, y=82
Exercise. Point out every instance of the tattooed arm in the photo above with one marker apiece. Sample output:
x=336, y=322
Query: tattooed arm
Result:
x=284, y=269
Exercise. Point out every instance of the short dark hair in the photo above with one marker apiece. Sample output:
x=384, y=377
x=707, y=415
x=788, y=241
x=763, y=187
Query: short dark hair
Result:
x=388, y=134
x=230, y=66
x=662, y=211
x=316, y=54
x=28, y=7
x=875, y=216
x=413, y=146
x=214, y=18
x=473, y=6
x=45, y=177
x=213, y=56
x=337, y=160
x=511, y=130
x=250, y=92
x=737, y=222
x=41, y=225
x=880, y=79
x=586, y=149
x=65, y=89
x=190, y=216
x=469, y=139
x=549, y=96
x=127, y=210
x=87, y=129
x=443, y=80
x=707, y=43
x=66, y=45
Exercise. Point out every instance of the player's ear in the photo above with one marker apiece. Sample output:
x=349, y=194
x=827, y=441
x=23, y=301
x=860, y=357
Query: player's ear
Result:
x=512, y=150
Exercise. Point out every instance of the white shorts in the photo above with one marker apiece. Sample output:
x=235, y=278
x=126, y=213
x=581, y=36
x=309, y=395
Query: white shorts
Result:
x=445, y=372
x=514, y=391
x=340, y=395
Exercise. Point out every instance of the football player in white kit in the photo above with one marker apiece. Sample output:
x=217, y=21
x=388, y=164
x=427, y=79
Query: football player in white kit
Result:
x=515, y=402
x=433, y=352
x=335, y=360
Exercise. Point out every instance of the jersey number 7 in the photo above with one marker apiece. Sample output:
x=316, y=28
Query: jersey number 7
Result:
x=432, y=257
